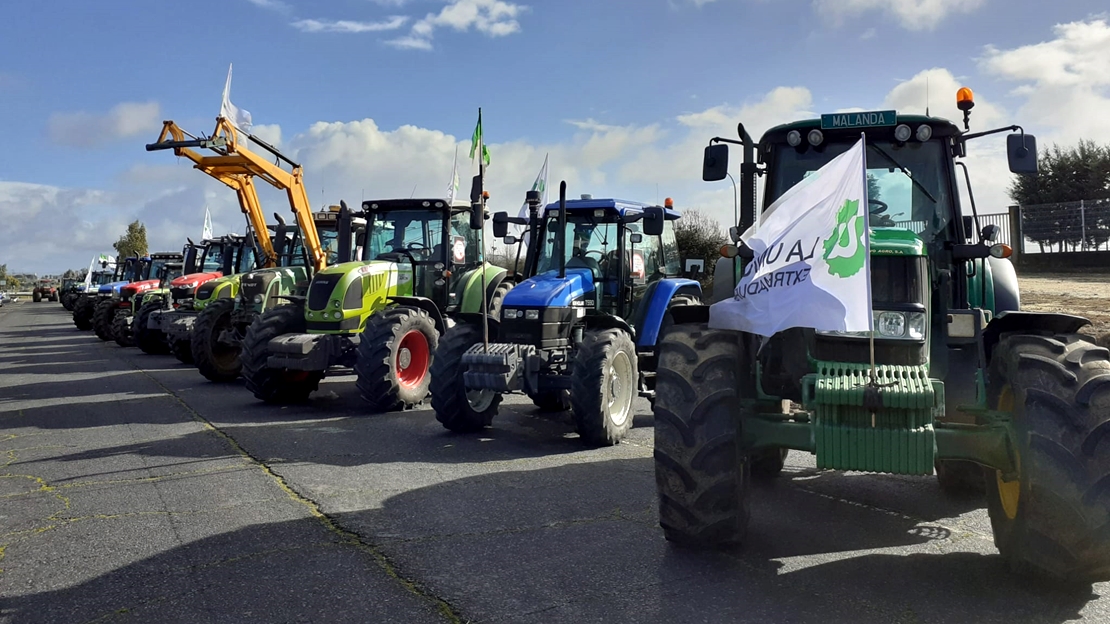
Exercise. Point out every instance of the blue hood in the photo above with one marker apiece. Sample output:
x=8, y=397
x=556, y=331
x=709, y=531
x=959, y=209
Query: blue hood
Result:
x=547, y=290
x=114, y=287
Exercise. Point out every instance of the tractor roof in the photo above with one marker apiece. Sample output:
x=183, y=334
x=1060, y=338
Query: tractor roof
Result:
x=941, y=128
x=165, y=255
x=623, y=207
x=412, y=204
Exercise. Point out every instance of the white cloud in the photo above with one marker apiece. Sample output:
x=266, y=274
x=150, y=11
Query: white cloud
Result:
x=493, y=18
x=911, y=14
x=124, y=120
x=1065, y=82
x=272, y=5
x=349, y=26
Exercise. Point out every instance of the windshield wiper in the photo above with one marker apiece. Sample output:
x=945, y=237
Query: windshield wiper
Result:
x=905, y=172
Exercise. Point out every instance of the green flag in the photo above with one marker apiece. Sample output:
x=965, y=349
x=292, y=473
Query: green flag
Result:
x=476, y=138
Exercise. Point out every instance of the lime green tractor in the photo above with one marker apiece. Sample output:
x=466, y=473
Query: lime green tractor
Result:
x=382, y=315
x=220, y=263
x=222, y=324
x=955, y=379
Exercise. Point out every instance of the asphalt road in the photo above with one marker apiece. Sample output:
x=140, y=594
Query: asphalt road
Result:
x=131, y=489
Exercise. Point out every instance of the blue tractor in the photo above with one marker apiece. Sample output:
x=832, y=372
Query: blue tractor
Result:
x=581, y=330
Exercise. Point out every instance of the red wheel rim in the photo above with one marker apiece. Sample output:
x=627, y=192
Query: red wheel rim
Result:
x=411, y=361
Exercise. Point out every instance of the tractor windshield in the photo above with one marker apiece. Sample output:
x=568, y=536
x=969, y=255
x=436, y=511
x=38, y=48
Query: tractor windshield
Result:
x=590, y=242
x=155, y=269
x=418, y=231
x=213, y=258
x=329, y=242
x=907, y=183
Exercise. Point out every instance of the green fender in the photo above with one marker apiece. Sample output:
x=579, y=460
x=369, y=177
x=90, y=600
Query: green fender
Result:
x=471, y=286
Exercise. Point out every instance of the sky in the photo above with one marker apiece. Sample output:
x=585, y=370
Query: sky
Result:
x=373, y=97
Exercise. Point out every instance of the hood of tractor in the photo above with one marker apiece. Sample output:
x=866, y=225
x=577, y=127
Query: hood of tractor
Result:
x=113, y=287
x=895, y=242
x=261, y=287
x=193, y=280
x=219, y=288
x=548, y=290
x=341, y=297
x=138, y=287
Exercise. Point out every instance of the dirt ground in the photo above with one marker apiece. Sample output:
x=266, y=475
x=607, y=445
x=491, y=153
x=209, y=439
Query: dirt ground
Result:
x=1086, y=294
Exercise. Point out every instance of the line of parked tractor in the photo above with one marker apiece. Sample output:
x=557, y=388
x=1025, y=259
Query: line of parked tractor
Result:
x=398, y=292
x=954, y=378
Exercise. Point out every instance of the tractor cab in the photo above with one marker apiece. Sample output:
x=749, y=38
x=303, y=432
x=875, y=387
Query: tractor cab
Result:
x=127, y=271
x=151, y=268
x=599, y=261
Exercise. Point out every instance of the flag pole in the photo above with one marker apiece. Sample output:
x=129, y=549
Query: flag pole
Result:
x=482, y=232
x=872, y=394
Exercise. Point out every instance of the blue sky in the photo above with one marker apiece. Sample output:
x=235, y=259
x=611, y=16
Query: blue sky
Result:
x=622, y=93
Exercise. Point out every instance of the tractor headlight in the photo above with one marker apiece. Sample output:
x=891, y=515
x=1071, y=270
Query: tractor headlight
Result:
x=902, y=133
x=510, y=314
x=532, y=315
x=336, y=304
x=794, y=138
x=889, y=325
x=257, y=298
x=337, y=315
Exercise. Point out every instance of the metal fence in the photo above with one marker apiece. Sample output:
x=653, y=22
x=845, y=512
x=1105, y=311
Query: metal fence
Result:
x=1066, y=227
x=1002, y=220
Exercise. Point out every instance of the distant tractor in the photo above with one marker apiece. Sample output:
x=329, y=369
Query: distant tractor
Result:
x=580, y=332
x=44, y=290
x=964, y=383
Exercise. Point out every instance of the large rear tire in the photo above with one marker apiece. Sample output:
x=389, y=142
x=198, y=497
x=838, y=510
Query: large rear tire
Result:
x=215, y=360
x=701, y=478
x=150, y=341
x=102, y=319
x=1053, y=519
x=36, y=296
x=456, y=409
x=604, y=383
x=395, y=354
x=273, y=385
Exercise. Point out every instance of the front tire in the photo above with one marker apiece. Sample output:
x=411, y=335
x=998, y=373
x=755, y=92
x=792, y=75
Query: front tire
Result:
x=149, y=341
x=121, y=329
x=456, y=409
x=603, y=384
x=1052, y=519
x=395, y=355
x=215, y=360
x=700, y=476
x=83, y=313
x=278, y=386
x=102, y=319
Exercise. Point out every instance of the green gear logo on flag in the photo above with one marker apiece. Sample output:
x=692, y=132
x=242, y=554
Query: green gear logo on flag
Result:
x=845, y=251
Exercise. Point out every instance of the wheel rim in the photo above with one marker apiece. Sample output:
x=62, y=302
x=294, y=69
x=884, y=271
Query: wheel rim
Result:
x=618, y=387
x=411, y=362
x=480, y=400
x=1009, y=492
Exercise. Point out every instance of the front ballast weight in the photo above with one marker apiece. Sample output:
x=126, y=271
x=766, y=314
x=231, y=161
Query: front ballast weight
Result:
x=511, y=368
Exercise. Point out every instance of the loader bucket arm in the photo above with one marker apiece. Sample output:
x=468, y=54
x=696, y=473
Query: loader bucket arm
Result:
x=236, y=166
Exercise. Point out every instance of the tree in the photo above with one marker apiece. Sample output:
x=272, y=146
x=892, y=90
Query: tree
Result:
x=133, y=242
x=1069, y=174
x=873, y=190
x=699, y=236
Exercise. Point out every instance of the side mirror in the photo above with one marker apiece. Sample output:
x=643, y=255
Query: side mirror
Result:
x=510, y=240
x=477, y=216
x=989, y=234
x=734, y=233
x=714, y=166
x=1021, y=151
x=969, y=225
x=653, y=219
x=500, y=225
x=636, y=238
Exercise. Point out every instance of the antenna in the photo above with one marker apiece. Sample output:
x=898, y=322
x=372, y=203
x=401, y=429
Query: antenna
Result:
x=413, y=191
x=926, y=95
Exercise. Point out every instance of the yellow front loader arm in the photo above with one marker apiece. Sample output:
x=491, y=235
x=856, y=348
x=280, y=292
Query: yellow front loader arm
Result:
x=236, y=166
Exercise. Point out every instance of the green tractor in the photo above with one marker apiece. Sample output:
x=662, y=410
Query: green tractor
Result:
x=382, y=315
x=220, y=262
x=965, y=384
x=222, y=324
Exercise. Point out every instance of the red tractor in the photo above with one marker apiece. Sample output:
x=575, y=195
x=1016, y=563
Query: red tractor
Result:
x=45, y=290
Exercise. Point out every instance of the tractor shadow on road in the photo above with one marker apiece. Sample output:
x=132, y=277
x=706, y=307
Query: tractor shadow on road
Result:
x=570, y=543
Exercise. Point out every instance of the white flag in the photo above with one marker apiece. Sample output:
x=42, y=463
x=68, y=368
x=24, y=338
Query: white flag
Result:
x=812, y=266
x=207, y=224
x=453, y=189
x=240, y=118
x=539, y=185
